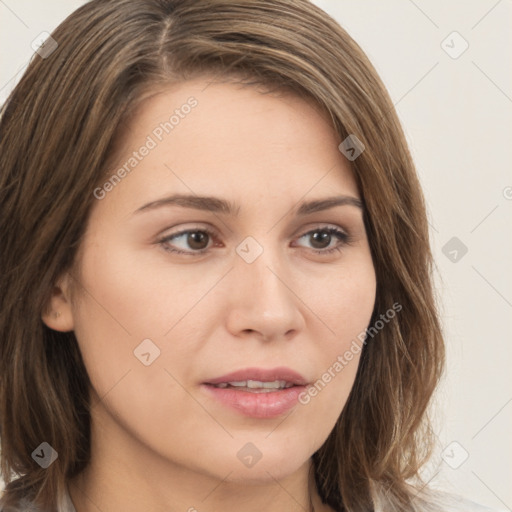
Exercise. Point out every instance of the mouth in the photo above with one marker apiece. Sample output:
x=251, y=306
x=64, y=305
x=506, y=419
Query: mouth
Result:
x=256, y=392
x=255, y=386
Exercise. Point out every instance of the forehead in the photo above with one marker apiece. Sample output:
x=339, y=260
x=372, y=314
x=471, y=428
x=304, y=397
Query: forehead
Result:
x=205, y=138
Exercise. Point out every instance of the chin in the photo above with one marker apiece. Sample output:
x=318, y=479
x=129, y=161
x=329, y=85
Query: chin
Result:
x=263, y=473
x=271, y=460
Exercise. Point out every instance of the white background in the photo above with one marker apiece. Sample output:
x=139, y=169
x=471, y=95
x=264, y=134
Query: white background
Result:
x=457, y=114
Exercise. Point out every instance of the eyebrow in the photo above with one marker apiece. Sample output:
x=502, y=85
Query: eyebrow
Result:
x=217, y=205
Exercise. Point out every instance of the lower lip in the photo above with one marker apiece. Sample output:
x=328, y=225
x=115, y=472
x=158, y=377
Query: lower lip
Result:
x=257, y=405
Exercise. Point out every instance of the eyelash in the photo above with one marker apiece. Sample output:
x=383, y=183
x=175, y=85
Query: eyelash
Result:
x=343, y=237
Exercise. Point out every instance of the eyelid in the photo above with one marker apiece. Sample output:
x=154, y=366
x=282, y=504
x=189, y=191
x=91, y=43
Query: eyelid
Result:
x=212, y=231
x=317, y=226
x=186, y=228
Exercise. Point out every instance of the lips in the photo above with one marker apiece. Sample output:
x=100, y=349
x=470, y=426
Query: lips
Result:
x=287, y=375
x=255, y=386
x=258, y=392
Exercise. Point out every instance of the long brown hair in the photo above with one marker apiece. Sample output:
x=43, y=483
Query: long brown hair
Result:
x=58, y=129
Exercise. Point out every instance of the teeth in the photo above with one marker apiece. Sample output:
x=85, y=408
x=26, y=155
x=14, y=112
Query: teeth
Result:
x=256, y=384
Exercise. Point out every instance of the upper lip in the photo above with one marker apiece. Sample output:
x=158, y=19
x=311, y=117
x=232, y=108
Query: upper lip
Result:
x=262, y=375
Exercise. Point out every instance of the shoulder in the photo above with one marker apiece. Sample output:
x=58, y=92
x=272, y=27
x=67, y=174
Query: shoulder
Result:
x=18, y=496
x=26, y=505
x=21, y=506
x=433, y=500
x=447, y=502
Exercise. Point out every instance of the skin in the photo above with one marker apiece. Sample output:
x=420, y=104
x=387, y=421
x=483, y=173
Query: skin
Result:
x=159, y=442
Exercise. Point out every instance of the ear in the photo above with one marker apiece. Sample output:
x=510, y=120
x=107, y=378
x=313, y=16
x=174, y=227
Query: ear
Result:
x=59, y=313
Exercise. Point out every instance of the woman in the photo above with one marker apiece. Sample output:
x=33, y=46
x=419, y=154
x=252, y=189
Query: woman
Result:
x=216, y=289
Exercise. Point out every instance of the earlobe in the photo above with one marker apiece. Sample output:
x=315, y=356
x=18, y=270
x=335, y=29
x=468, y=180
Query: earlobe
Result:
x=59, y=313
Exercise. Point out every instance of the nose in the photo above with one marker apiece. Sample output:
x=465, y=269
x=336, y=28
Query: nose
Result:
x=263, y=302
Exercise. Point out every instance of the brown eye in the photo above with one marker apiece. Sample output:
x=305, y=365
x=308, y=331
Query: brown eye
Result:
x=197, y=240
x=320, y=239
x=189, y=242
x=326, y=240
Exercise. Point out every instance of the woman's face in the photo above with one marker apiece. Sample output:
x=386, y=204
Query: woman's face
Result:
x=213, y=253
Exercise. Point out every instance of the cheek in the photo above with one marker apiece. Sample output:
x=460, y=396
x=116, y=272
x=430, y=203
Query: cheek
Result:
x=346, y=300
x=122, y=303
x=140, y=296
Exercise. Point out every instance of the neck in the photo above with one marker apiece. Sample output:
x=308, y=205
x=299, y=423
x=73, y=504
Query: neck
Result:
x=92, y=491
x=126, y=476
